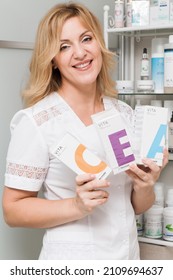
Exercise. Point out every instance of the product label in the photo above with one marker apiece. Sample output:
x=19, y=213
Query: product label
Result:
x=168, y=228
x=157, y=74
x=153, y=227
x=119, y=14
x=145, y=67
x=168, y=66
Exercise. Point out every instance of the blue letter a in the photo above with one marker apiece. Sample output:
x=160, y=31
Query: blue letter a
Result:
x=155, y=147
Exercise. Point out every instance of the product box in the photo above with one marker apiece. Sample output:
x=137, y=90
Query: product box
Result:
x=77, y=157
x=140, y=12
x=171, y=12
x=150, y=133
x=111, y=127
x=159, y=12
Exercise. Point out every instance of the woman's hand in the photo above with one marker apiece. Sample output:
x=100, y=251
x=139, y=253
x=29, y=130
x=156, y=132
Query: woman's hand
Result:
x=146, y=175
x=90, y=193
x=144, y=178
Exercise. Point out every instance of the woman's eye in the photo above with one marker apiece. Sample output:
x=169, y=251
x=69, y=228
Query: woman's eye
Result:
x=64, y=47
x=87, y=38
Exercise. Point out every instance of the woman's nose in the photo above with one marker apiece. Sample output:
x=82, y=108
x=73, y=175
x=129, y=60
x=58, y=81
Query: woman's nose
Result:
x=79, y=51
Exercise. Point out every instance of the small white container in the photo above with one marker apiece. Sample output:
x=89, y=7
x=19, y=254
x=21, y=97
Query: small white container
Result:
x=145, y=86
x=125, y=86
x=169, y=198
x=157, y=103
x=168, y=223
x=159, y=193
x=153, y=222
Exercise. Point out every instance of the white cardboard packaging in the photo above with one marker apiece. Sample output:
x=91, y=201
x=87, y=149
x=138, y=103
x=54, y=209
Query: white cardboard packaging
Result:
x=150, y=133
x=111, y=127
x=159, y=12
x=171, y=11
x=77, y=157
x=140, y=12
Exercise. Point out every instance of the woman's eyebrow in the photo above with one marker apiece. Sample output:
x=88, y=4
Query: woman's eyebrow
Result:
x=81, y=35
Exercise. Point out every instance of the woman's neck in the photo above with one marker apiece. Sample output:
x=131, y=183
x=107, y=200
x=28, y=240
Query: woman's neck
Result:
x=84, y=102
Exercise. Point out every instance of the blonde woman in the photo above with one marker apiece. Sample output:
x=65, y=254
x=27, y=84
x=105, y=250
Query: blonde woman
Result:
x=84, y=218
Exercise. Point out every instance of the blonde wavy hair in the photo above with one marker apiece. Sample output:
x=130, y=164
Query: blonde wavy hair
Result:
x=44, y=79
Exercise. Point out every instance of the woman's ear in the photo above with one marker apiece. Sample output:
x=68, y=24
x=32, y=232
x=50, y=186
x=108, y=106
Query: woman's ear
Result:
x=54, y=66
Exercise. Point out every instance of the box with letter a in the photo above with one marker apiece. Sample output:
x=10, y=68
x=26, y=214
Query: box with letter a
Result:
x=150, y=133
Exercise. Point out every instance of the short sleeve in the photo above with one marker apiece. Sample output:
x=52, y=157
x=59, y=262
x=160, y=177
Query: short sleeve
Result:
x=27, y=157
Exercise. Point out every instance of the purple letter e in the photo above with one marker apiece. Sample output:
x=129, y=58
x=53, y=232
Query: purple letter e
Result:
x=118, y=147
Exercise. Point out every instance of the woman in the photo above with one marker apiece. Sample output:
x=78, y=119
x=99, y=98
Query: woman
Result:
x=84, y=218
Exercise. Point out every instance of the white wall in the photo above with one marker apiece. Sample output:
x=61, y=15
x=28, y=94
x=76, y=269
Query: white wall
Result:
x=18, y=22
x=19, y=18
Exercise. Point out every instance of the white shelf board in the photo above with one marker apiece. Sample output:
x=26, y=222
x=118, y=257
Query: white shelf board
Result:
x=140, y=28
x=155, y=241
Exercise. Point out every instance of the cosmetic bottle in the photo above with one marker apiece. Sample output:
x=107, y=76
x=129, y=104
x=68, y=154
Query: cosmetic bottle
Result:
x=157, y=63
x=119, y=13
x=145, y=65
x=168, y=66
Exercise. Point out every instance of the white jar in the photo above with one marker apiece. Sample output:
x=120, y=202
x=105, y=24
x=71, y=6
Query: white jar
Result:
x=157, y=103
x=125, y=86
x=168, y=223
x=145, y=86
x=169, y=198
x=153, y=222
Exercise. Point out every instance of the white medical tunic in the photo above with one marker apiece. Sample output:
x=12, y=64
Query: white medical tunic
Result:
x=109, y=232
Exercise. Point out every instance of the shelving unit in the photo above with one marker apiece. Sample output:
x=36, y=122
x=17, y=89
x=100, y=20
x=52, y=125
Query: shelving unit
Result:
x=128, y=37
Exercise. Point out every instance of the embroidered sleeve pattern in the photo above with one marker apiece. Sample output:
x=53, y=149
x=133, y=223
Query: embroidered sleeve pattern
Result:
x=127, y=111
x=46, y=115
x=123, y=108
x=30, y=172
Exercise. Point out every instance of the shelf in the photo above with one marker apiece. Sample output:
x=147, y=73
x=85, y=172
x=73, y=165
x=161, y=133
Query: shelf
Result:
x=150, y=94
x=134, y=31
x=155, y=241
x=142, y=30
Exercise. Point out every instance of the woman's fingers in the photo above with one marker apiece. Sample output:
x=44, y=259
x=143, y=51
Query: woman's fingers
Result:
x=90, y=192
x=165, y=157
x=83, y=178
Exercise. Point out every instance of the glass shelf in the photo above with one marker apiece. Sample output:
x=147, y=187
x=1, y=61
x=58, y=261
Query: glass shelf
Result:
x=155, y=241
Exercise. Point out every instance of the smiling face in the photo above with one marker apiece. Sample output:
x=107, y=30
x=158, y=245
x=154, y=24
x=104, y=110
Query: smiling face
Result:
x=79, y=59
